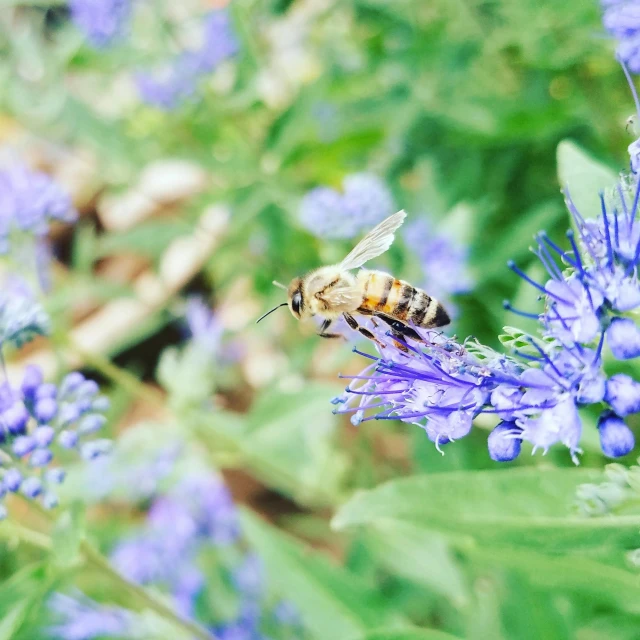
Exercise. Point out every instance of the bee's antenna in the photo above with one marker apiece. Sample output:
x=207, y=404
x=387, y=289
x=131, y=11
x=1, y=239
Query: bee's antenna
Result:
x=279, y=285
x=284, y=304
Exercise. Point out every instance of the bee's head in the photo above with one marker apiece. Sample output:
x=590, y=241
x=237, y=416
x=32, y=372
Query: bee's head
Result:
x=295, y=298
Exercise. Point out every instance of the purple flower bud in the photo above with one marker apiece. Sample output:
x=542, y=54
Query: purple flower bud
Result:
x=91, y=424
x=50, y=500
x=504, y=442
x=32, y=487
x=67, y=439
x=71, y=382
x=15, y=418
x=31, y=380
x=88, y=388
x=95, y=449
x=40, y=458
x=45, y=409
x=23, y=445
x=623, y=337
x=44, y=435
x=12, y=480
x=68, y=413
x=46, y=390
x=55, y=476
x=616, y=439
x=623, y=394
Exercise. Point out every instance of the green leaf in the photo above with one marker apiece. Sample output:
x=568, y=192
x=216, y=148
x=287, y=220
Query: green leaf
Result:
x=421, y=556
x=605, y=583
x=584, y=177
x=332, y=602
x=19, y=595
x=405, y=634
x=529, y=508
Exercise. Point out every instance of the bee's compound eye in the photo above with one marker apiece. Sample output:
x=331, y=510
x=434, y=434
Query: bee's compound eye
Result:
x=296, y=302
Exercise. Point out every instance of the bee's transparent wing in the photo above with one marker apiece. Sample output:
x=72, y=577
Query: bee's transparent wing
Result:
x=375, y=243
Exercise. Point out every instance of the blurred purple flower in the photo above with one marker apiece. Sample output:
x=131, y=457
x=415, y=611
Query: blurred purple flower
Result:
x=174, y=82
x=622, y=20
x=364, y=202
x=29, y=201
x=443, y=260
x=205, y=328
x=39, y=419
x=101, y=21
x=80, y=618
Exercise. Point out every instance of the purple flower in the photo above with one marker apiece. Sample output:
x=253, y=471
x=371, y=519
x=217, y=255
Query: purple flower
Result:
x=504, y=442
x=27, y=440
x=364, y=202
x=623, y=394
x=29, y=201
x=622, y=20
x=101, y=21
x=442, y=385
x=623, y=338
x=616, y=439
x=174, y=82
x=80, y=618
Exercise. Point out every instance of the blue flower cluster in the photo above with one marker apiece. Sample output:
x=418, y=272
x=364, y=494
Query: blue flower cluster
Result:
x=622, y=20
x=443, y=260
x=183, y=529
x=177, y=80
x=364, y=202
x=589, y=300
x=38, y=420
x=101, y=21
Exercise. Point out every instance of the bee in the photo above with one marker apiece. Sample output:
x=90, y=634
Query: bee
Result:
x=334, y=291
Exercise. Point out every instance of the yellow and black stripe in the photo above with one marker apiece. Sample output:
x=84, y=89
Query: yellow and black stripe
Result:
x=387, y=295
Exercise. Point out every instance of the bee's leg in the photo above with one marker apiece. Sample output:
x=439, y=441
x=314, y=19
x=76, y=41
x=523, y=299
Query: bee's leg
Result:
x=353, y=323
x=323, y=330
x=400, y=328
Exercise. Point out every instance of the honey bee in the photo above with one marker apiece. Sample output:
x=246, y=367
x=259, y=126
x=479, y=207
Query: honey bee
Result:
x=333, y=291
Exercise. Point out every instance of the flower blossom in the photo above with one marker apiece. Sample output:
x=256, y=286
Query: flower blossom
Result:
x=39, y=420
x=29, y=202
x=622, y=20
x=536, y=392
x=101, y=21
x=364, y=202
x=177, y=79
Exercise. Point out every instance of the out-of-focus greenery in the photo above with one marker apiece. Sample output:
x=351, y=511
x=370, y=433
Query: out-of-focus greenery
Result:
x=458, y=105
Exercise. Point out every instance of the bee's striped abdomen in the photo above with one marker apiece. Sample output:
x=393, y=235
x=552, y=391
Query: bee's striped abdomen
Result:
x=385, y=294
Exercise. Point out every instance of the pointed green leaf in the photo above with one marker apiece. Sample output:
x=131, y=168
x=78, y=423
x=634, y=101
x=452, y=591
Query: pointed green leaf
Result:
x=523, y=507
